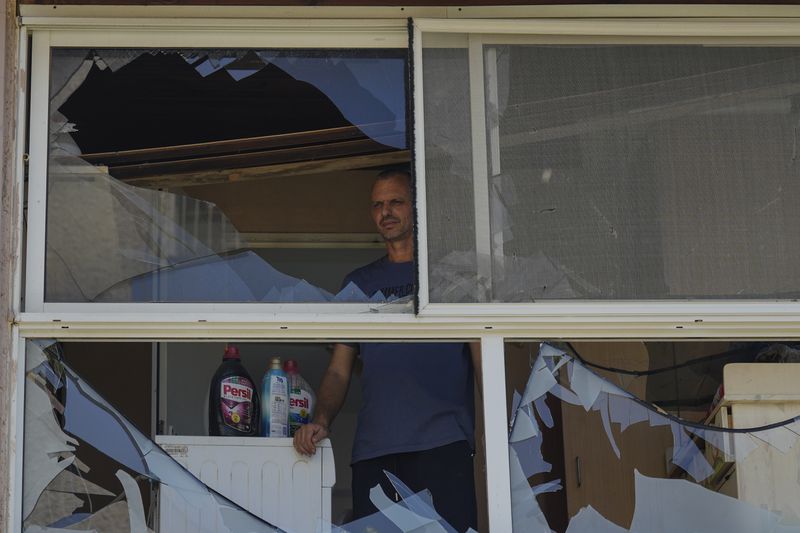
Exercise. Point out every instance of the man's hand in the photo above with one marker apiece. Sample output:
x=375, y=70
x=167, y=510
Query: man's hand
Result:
x=330, y=398
x=307, y=436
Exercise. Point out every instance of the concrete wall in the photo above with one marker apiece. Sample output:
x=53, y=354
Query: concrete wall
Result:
x=8, y=244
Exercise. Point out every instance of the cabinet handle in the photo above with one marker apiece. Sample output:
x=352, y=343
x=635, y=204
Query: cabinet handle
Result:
x=578, y=477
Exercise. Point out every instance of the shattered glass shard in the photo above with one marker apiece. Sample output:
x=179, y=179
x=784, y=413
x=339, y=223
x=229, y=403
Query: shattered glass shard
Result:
x=666, y=499
x=95, y=422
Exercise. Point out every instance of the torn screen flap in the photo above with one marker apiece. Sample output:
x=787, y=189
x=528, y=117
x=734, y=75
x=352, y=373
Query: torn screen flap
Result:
x=44, y=441
x=526, y=515
x=529, y=454
x=138, y=523
x=672, y=505
x=586, y=385
x=52, y=507
x=602, y=406
x=687, y=455
x=402, y=517
x=543, y=411
x=525, y=426
x=539, y=383
x=590, y=521
x=420, y=503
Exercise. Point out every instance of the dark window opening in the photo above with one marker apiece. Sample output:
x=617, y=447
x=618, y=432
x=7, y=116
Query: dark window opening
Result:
x=218, y=175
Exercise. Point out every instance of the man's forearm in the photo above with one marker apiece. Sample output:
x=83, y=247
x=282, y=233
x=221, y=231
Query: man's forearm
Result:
x=330, y=398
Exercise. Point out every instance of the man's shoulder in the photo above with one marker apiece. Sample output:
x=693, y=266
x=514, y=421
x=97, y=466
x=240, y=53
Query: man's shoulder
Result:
x=391, y=279
x=366, y=271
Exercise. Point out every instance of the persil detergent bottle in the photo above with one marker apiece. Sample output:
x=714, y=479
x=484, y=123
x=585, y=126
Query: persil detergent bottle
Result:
x=275, y=401
x=233, y=406
x=301, y=397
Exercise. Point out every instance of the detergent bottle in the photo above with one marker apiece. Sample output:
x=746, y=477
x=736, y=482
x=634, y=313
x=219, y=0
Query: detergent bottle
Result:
x=301, y=397
x=233, y=405
x=275, y=401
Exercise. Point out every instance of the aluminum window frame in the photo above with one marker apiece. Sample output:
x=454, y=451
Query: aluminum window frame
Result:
x=207, y=322
x=493, y=406
x=704, y=317
x=493, y=324
x=48, y=33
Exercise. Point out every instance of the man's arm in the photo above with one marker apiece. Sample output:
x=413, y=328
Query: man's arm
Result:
x=331, y=395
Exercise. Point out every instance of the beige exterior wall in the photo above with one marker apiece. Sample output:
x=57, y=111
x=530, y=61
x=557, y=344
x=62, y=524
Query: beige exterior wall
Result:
x=8, y=244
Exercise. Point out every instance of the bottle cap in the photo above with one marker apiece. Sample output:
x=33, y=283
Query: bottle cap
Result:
x=276, y=363
x=231, y=352
x=290, y=365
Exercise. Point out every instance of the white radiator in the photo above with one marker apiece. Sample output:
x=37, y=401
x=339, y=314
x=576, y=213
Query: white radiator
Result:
x=266, y=476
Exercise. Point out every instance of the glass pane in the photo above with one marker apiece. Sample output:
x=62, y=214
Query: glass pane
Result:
x=218, y=175
x=74, y=440
x=448, y=173
x=624, y=172
x=655, y=436
x=208, y=447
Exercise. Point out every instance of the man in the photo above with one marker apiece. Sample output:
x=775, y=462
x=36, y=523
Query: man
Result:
x=417, y=417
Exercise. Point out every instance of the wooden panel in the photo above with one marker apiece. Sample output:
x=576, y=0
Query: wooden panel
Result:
x=606, y=482
x=296, y=168
x=320, y=203
x=206, y=149
x=585, y=442
x=627, y=355
x=252, y=159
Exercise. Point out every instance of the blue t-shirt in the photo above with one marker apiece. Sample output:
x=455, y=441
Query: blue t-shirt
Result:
x=416, y=396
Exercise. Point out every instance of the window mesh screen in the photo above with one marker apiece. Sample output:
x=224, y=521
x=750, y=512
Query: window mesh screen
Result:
x=618, y=172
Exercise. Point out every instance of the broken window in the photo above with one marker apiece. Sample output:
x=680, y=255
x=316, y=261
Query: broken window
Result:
x=218, y=175
x=107, y=449
x=610, y=171
x=596, y=443
x=71, y=430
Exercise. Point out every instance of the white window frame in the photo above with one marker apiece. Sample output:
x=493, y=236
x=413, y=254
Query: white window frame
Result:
x=674, y=318
x=174, y=33
x=610, y=319
x=493, y=404
x=493, y=324
x=206, y=322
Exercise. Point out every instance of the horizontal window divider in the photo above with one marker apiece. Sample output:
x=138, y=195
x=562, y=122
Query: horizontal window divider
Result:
x=733, y=28
x=253, y=35
x=326, y=326
x=642, y=309
x=284, y=25
x=224, y=33
x=62, y=13
x=628, y=11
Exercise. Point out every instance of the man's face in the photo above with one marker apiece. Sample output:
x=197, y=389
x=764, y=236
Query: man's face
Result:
x=391, y=208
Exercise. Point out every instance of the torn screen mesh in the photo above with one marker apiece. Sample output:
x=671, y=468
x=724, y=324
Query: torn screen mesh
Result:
x=621, y=172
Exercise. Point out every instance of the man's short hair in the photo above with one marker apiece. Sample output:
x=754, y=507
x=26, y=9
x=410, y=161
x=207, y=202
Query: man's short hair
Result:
x=391, y=172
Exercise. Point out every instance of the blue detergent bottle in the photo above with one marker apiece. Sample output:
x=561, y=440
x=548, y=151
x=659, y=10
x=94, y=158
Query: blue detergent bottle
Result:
x=275, y=401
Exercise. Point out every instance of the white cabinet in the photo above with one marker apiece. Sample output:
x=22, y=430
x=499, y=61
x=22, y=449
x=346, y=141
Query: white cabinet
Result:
x=758, y=394
x=266, y=476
